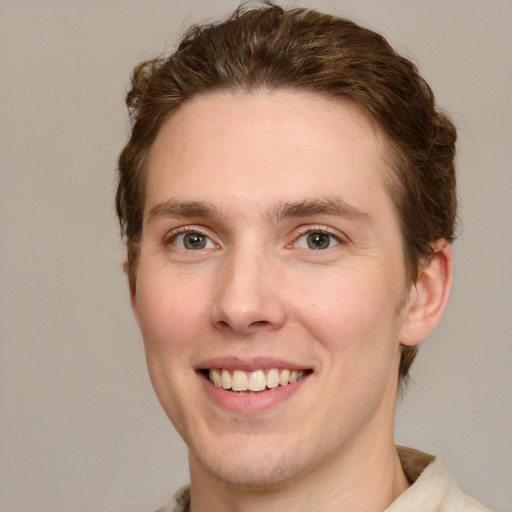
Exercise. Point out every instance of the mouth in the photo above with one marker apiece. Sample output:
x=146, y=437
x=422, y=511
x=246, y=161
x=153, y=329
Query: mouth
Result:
x=255, y=381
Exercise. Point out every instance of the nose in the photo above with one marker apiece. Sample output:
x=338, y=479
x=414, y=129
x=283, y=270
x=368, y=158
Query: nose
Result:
x=248, y=296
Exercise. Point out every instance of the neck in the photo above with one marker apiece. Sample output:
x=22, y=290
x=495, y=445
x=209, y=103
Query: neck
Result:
x=363, y=480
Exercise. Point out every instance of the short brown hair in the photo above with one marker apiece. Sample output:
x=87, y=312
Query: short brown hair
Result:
x=272, y=48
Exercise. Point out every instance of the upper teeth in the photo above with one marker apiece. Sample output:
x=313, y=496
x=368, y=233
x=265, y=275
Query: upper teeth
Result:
x=256, y=380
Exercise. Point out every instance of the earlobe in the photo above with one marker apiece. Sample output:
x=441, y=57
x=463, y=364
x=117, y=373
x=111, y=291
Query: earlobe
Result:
x=428, y=296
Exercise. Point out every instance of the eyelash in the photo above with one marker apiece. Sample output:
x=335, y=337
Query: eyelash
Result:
x=320, y=230
x=173, y=235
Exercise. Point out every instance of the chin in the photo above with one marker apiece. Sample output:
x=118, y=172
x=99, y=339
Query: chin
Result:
x=252, y=476
x=254, y=469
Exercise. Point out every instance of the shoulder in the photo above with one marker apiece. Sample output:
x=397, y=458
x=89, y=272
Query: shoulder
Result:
x=179, y=503
x=433, y=487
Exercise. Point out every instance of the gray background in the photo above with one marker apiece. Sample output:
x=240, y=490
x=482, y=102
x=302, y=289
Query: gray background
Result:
x=80, y=428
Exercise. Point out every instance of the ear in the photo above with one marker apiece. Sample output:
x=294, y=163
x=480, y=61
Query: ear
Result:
x=428, y=296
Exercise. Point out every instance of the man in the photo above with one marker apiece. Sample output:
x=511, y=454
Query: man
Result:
x=288, y=201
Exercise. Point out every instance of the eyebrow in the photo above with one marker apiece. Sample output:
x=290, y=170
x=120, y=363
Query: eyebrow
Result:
x=187, y=209
x=305, y=208
x=320, y=206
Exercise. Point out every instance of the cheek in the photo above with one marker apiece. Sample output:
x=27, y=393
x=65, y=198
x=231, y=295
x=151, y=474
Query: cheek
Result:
x=169, y=310
x=169, y=316
x=349, y=313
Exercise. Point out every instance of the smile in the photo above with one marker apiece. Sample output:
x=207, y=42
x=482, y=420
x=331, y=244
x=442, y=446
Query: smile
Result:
x=255, y=381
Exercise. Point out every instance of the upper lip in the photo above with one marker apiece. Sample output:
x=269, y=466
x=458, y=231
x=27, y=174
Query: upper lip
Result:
x=249, y=364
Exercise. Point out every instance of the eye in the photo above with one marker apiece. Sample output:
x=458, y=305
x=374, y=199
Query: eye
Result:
x=192, y=241
x=317, y=240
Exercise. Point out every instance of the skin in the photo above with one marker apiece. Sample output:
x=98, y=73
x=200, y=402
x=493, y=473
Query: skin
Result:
x=227, y=167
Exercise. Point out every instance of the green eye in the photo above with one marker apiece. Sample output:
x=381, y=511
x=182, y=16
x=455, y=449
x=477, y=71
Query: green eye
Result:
x=317, y=240
x=192, y=241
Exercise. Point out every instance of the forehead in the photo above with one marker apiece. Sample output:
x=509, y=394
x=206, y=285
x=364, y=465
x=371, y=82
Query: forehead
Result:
x=266, y=146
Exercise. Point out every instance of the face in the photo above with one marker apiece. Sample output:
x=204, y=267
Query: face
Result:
x=271, y=288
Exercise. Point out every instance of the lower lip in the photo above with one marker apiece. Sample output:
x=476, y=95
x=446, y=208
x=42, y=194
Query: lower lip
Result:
x=251, y=403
